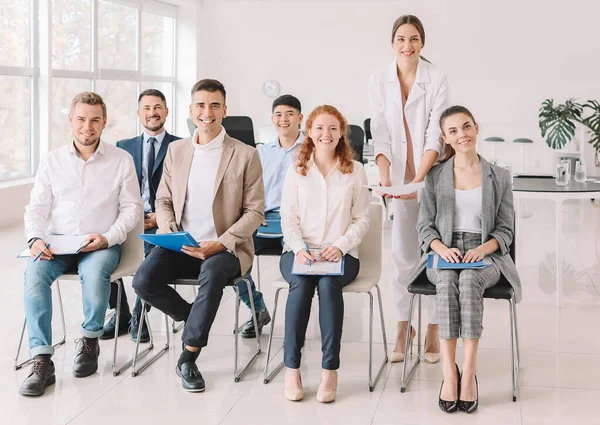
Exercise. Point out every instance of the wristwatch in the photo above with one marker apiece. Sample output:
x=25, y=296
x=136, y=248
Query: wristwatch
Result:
x=31, y=241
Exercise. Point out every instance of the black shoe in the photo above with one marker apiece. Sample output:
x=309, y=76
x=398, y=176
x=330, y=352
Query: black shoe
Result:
x=450, y=406
x=86, y=359
x=109, y=328
x=191, y=378
x=470, y=406
x=40, y=377
x=134, y=325
x=262, y=318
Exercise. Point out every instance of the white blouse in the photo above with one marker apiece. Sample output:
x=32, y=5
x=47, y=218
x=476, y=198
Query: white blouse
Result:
x=468, y=210
x=323, y=211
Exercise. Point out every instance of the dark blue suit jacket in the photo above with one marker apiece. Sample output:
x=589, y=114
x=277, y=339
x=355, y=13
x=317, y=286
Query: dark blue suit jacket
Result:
x=134, y=147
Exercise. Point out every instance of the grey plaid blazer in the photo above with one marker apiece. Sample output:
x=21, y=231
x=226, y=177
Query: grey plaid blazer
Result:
x=436, y=215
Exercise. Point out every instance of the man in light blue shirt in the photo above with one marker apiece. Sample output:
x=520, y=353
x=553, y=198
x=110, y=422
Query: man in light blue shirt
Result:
x=276, y=158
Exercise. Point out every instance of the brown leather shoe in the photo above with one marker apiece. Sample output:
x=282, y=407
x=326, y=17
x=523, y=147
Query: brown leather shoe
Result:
x=40, y=377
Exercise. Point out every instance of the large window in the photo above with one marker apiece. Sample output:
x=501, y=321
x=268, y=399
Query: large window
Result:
x=116, y=48
x=17, y=84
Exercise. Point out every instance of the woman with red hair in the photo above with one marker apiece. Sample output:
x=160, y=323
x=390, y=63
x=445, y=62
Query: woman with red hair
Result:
x=324, y=207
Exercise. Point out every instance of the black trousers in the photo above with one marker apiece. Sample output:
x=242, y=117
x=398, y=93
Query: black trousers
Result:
x=161, y=267
x=331, y=310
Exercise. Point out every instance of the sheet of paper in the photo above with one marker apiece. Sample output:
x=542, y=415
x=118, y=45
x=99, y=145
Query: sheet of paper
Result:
x=405, y=189
x=61, y=244
x=319, y=267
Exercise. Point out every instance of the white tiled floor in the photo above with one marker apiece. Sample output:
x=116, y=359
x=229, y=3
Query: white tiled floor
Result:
x=560, y=381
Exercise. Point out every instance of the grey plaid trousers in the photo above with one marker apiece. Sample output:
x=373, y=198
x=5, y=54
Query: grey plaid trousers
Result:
x=459, y=299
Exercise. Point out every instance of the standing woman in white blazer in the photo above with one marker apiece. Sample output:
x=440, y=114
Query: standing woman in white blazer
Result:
x=407, y=98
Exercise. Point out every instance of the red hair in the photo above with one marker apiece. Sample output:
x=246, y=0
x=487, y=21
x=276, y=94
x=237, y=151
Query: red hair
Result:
x=343, y=151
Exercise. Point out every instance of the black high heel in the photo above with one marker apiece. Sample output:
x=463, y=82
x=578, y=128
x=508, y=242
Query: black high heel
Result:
x=450, y=406
x=470, y=406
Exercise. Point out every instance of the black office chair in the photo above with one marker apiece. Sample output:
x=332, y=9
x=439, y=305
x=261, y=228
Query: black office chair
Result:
x=367, y=126
x=240, y=128
x=501, y=291
x=357, y=141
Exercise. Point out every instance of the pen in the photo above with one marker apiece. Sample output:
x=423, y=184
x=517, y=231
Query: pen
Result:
x=40, y=254
x=308, y=250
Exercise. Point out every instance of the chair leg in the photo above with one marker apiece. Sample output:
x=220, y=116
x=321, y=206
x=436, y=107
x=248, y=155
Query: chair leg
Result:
x=239, y=374
x=134, y=369
x=514, y=341
x=56, y=344
x=268, y=377
x=373, y=383
x=118, y=316
x=406, y=378
x=258, y=271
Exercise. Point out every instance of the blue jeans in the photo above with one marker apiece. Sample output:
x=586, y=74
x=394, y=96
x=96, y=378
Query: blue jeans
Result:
x=94, y=269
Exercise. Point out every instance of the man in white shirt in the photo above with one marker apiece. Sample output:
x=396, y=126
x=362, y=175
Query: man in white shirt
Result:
x=86, y=188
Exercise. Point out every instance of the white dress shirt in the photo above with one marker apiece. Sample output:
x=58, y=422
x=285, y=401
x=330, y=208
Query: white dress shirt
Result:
x=145, y=152
x=100, y=195
x=198, y=218
x=324, y=211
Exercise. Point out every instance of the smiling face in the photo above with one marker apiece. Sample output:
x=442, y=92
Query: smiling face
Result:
x=325, y=132
x=407, y=42
x=208, y=110
x=87, y=123
x=286, y=120
x=153, y=114
x=460, y=132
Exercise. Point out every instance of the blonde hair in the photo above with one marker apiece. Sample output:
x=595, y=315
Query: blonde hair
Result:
x=88, y=98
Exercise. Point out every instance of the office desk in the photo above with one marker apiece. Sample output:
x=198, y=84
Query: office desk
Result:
x=544, y=187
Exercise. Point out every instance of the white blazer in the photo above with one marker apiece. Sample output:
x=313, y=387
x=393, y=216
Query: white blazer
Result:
x=426, y=101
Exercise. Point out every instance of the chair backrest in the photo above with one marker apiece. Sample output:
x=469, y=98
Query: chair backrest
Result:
x=240, y=128
x=132, y=252
x=357, y=141
x=367, y=127
x=370, y=248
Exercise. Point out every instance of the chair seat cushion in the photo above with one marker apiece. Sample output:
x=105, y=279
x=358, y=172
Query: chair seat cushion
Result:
x=271, y=250
x=360, y=284
x=502, y=290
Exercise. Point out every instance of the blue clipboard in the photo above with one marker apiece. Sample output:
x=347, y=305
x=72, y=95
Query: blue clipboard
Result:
x=434, y=261
x=271, y=231
x=172, y=241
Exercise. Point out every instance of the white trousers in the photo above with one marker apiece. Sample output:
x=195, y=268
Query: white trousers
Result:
x=406, y=254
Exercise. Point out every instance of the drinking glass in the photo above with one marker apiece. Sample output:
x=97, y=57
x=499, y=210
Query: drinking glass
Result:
x=580, y=174
x=562, y=178
x=567, y=164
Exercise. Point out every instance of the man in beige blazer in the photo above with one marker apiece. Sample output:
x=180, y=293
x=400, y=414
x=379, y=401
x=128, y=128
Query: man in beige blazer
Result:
x=212, y=187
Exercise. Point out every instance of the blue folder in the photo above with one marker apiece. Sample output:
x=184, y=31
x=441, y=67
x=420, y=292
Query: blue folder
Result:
x=271, y=230
x=434, y=261
x=173, y=241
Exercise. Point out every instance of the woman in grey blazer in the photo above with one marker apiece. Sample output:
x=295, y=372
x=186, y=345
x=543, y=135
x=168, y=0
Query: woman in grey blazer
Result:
x=466, y=215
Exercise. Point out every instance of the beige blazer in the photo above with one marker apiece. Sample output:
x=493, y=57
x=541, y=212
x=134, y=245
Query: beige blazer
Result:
x=238, y=202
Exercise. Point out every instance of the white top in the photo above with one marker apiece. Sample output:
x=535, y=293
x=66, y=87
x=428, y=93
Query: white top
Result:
x=198, y=216
x=100, y=195
x=467, y=210
x=158, y=139
x=322, y=211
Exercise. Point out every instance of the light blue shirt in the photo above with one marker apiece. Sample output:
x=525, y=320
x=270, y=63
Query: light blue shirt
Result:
x=145, y=152
x=275, y=162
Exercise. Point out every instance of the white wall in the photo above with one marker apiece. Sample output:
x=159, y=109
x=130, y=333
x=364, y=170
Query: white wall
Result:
x=502, y=58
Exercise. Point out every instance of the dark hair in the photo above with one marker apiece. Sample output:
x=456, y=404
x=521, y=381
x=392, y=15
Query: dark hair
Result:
x=448, y=151
x=287, y=100
x=152, y=92
x=343, y=151
x=413, y=20
x=210, y=86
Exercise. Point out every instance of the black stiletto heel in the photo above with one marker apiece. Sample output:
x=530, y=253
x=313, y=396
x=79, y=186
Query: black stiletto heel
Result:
x=470, y=406
x=450, y=406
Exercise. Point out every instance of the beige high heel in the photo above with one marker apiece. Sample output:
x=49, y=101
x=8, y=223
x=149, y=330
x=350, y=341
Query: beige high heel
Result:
x=430, y=357
x=327, y=396
x=294, y=394
x=397, y=357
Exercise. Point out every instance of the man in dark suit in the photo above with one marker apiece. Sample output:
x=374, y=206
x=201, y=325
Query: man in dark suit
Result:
x=148, y=151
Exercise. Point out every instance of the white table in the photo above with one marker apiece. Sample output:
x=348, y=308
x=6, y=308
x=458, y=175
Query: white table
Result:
x=544, y=187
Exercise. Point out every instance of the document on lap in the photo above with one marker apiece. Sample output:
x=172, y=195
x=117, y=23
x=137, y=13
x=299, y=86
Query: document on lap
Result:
x=61, y=245
x=319, y=267
x=172, y=241
x=405, y=189
x=434, y=261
